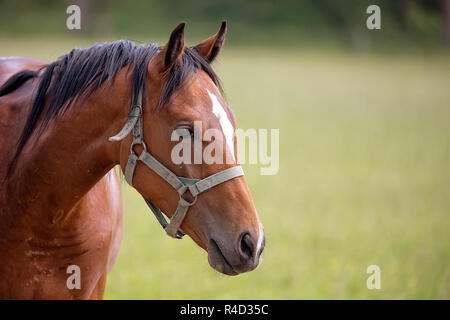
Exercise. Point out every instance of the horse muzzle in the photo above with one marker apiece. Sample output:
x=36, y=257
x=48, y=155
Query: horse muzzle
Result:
x=238, y=256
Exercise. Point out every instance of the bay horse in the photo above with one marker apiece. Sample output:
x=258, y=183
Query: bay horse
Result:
x=52, y=161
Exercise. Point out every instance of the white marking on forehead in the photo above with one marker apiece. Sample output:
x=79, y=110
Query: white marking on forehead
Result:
x=225, y=123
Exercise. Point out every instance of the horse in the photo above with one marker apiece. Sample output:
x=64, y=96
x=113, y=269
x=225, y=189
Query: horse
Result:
x=79, y=126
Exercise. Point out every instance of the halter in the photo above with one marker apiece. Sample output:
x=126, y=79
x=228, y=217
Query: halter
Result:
x=180, y=184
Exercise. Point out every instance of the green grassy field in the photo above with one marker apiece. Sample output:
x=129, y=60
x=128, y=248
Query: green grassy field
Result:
x=364, y=179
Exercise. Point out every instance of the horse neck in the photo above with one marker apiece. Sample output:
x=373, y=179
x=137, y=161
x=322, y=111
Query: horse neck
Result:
x=57, y=169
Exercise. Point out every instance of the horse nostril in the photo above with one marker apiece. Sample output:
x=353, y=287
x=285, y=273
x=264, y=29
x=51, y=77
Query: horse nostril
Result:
x=247, y=246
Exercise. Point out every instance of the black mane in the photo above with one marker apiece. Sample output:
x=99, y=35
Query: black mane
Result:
x=82, y=71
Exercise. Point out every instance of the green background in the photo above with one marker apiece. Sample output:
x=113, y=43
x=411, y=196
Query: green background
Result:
x=363, y=116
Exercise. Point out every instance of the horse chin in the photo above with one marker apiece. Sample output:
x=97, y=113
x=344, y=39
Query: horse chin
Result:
x=218, y=261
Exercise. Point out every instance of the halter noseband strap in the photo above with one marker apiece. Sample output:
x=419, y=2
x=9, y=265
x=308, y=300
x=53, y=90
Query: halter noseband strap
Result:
x=180, y=184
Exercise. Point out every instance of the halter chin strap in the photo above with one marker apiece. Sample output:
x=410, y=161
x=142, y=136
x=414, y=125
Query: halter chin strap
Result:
x=180, y=184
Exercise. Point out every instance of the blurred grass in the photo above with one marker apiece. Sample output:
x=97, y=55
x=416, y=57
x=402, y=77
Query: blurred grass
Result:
x=364, y=179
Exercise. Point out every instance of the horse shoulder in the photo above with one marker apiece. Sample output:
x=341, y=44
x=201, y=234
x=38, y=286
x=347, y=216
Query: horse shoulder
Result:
x=103, y=204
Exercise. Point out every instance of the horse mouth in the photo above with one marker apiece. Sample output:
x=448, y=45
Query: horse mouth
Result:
x=218, y=261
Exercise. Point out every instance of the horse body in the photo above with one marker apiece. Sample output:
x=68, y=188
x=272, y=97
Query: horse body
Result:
x=35, y=252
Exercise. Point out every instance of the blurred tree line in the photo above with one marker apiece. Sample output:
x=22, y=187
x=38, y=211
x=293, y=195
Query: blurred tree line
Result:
x=278, y=22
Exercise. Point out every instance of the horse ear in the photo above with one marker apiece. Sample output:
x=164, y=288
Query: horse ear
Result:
x=174, y=48
x=210, y=47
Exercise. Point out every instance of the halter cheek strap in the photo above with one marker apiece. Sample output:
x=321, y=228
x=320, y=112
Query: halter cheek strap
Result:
x=180, y=184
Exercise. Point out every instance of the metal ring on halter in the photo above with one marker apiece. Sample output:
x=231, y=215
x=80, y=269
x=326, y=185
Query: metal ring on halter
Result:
x=185, y=202
x=137, y=144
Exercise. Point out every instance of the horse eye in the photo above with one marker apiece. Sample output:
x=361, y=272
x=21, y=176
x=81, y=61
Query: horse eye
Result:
x=185, y=131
